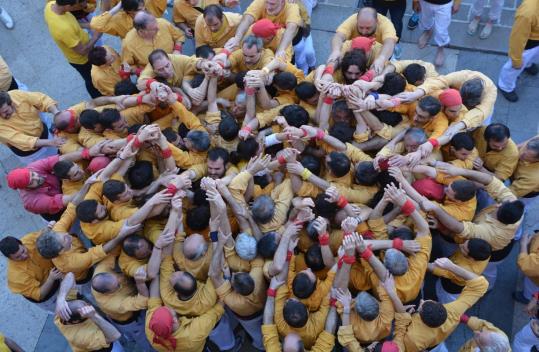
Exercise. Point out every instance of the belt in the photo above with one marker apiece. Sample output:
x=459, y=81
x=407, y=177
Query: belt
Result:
x=501, y=254
x=450, y=287
x=133, y=318
x=248, y=317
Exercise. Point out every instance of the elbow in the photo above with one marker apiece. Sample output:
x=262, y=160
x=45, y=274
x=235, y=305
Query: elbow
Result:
x=114, y=337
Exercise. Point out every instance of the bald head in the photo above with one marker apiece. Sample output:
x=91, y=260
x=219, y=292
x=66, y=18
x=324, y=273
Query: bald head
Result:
x=66, y=120
x=194, y=247
x=184, y=284
x=366, y=21
x=105, y=283
x=142, y=19
x=293, y=343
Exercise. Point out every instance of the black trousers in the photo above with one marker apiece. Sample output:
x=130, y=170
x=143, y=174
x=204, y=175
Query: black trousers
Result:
x=84, y=70
x=396, y=9
x=13, y=84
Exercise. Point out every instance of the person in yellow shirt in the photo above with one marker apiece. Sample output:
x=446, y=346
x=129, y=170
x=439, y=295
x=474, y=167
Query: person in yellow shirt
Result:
x=148, y=34
x=366, y=23
x=215, y=27
x=7, y=80
x=524, y=181
x=186, y=12
x=486, y=335
x=72, y=40
x=136, y=251
x=9, y=345
x=251, y=56
x=528, y=263
x=523, y=49
x=106, y=69
x=271, y=35
x=119, y=20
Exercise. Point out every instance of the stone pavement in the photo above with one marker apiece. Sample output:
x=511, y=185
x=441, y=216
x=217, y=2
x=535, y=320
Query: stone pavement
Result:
x=35, y=60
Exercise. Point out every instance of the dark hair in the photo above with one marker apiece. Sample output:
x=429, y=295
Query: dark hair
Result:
x=228, y=128
x=199, y=139
x=285, y=80
x=213, y=11
x=217, y=153
x=295, y=313
x=204, y=51
x=479, y=249
x=311, y=163
x=471, y=92
x=267, y=245
x=243, y=283
x=313, y=258
x=89, y=118
x=324, y=208
x=430, y=104
x=186, y=291
x=404, y=233
x=339, y=164
x=341, y=106
x=66, y=2
x=198, y=218
x=433, y=314
x=302, y=286
x=295, y=115
x=464, y=189
x=510, y=212
x=170, y=135
x=5, y=99
x=305, y=90
x=247, y=148
x=131, y=244
x=140, y=175
x=462, y=140
x=391, y=118
x=394, y=83
x=61, y=169
x=108, y=117
x=414, y=73
x=133, y=129
x=97, y=56
x=533, y=145
x=496, y=132
x=86, y=210
x=263, y=209
x=342, y=131
x=366, y=174
x=157, y=54
x=9, y=245
x=355, y=57
x=112, y=189
x=125, y=87
x=239, y=79
x=199, y=197
x=130, y=5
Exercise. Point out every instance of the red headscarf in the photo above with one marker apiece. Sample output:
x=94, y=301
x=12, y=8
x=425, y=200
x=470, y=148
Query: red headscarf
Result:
x=98, y=163
x=18, y=178
x=450, y=97
x=364, y=43
x=264, y=28
x=429, y=188
x=161, y=324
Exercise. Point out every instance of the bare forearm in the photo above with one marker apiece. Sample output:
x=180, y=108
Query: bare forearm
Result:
x=110, y=332
x=244, y=25
x=327, y=256
x=269, y=310
x=288, y=36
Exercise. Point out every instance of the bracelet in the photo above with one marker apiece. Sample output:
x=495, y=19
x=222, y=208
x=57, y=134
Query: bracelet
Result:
x=434, y=142
x=179, y=97
x=323, y=239
x=177, y=47
x=367, y=254
x=305, y=174
x=250, y=90
x=86, y=154
x=408, y=208
x=339, y=263
x=271, y=292
x=464, y=319
x=148, y=84
x=213, y=236
x=289, y=255
x=130, y=137
x=349, y=259
x=305, y=133
x=342, y=202
x=166, y=153
x=320, y=134
x=398, y=243
x=329, y=70
x=137, y=143
x=281, y=159
x=226, y=52
x=328, y=100
x=172, y=189
x=139, y=100
x=333, y=302
x=368, y=235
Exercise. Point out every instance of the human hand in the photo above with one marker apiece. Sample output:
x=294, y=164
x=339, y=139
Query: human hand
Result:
x=128, y=229
x=343, y=296
x=444, y=263
x=349, y=245
x=87, y=312
x=276, y=282
x=165, y=239
x=140, y=275
x=396, y=173
x=62, y=309
x=410, y=246
x=320, y=225
x=349, y=224
x=258, y=163
x=294, y=168
x=332, y=194
x=396, y=195
x=55, y=274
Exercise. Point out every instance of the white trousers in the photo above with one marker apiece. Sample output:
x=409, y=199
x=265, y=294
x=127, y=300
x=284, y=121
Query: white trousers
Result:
x=304, y=54
x=525, y=339
x=508, y=75
x=494, y=11
x=437, y=17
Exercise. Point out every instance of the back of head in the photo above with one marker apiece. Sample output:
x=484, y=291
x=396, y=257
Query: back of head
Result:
x=48, y=245
x=414, y=74
x=213, y=11
x=404, y=233
x=157, y=54
x=417, y=134
x=433, y=314
x=295, y=313
x=496, y=132
x=9, y=245
x=263, y=209
x=205, y=51
x=250, y=41
x=125, y=87
x=339, y=164
x=243, y=283
x=89, y=118
x=311, y=163
x=246, y=246
x=200, y=140
x=267, y=245
x=131, y=244
x=240, y=79
x=366, y=174
x=86, y=210
x=198, y=218
x=498, y=342
x=462, y=140
x=141, y=20
x=104, y=282
x=140, y=175
x=194, y=247
x=342, y=131
x=61, y=169
x=295, y=115
x=313, y=258
x=430, y=104
x=367, y=306
x=324, y=208
x=471, y=92
x=229, y=128
x=305, y=90
x=303, y=286
x=395, y=262
x=285, y=81
x=217, y=153
x=108, y=117
x=112, y=189
x=394, y=83
x=130, y=5
x=341, y=107
x=479, y=249
x=391, y=118
x=510, y=212
x=186, y=286
x=97, y=56
x=464, y=190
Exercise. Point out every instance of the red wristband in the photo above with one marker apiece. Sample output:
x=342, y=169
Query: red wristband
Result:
x=320, y=134
x=139, y=100
x=328, y=100
x=464, y=319
x=226, y=52
x=172, y=189
x=247, y=128
x=329, y=70
x=346, y=234
x=323, y=239
x=434, y=142
x=340, y=262
x=271, y=292
x=398, y=243
x=137, y=143
x=333, y=302
x=179, y=97
x=342, y=202
x=86, y=154
x=367, y=254
x=305, y=133
x=383, y=164
x=166, y=153
x=281, y=159
x=149, y=83
x=408, y=208
x=368, y=235
x=138, y=71
x=289, y=255
x=349, y=259
x=250, y=91
x=177, y=47
x=124, y=74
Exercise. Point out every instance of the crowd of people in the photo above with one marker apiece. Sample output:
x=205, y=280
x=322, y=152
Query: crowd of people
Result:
x=246, y=195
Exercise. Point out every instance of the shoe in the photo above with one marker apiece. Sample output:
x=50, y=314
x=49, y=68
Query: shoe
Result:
x=532, y=70
x=413, y=21
x=487, y=30
x=510, y=96
x=6, y=19
x=170, y=3
x=397, y=52
x=519, y=297
x=472, y=27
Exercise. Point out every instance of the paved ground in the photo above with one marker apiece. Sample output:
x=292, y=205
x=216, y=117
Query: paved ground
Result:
x=36, y=61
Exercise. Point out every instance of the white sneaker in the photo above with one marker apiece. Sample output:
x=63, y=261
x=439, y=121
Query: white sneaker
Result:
x=472, y=27
x=6, y=19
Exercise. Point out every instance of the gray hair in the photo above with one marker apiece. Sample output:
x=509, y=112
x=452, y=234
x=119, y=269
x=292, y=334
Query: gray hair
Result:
x=251, y=40
x=367, y=306
x=263, y=208
x=246, y=246
x=141, y=20
x=471, y=92
x=395, y=262
x=498, y=343
x=417, y=134
x=201, y=250
x=48, y=245
x=533, y=145
x=200, y=140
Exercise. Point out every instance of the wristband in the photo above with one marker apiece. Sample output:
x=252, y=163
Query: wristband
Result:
x=305, y=174
x=368, y=235
x=247, y=129
x=367, y=254
x=139, y=100
x=124, y=74
x=329, y=70
x=342, y=202
x=536, y=295
x=179, y=97
x=137, y=143
x=172, y=189
x=408, y=208
x=328, y=100
x=86, y=154
x=434, y=142
x=177, y=47
x=213, y=236
x=383, y=164
x=305, y=133
x=374, y=95
x=320, y=134
x=349, y=259
x=398, y=243
x=333, y=302
x=464, y=319
x=138, y=71
x=226, y=52
x=271, y=292
x=166, y=153
x=72, y=119
x=250, y=90
x=323, y=239
x=289, y=255
x=281, y=159
x=148, y=84
x=339, y=262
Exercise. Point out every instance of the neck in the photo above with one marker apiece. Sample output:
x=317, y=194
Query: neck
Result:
x=58, y=9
